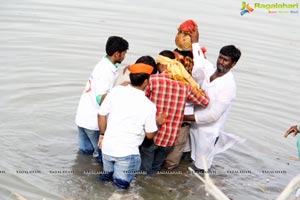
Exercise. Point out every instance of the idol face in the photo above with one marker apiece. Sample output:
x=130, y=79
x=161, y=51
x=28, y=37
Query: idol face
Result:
x=183, y=41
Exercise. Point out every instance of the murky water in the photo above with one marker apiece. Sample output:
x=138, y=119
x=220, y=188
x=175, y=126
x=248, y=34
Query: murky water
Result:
x=49, y=48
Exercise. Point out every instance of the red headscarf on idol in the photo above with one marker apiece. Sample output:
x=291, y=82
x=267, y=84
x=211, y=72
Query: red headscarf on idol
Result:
x=183, y=40
x=187, y=25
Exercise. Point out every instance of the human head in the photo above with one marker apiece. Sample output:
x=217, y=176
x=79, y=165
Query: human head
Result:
x=183, y=40
x=148, y=60
x=116, y=48
x=139, y=74
x=166, y=53
x=228, y=57
x=231, y=51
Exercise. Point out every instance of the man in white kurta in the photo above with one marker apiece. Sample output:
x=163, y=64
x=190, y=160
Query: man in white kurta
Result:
x=207, y=131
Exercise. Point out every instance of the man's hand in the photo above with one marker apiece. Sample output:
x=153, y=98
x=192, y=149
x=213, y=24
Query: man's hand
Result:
x=125, y=68
x=125, y=83
x=190, y=118
x=161, y=119
x=194, y=34
x=293, y=129
x=100, y=141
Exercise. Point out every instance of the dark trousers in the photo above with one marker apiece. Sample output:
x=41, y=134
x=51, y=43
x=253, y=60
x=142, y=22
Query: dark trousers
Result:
x=153, y=157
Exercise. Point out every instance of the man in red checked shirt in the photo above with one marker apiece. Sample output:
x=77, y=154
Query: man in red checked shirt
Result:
x=170, y=97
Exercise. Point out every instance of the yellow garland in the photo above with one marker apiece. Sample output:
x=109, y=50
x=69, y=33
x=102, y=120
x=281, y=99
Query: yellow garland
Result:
x=179, y=73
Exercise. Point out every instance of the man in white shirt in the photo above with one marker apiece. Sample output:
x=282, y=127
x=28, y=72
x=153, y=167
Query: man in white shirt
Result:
x=207, y=130
x=98, y=85
x=126, y=116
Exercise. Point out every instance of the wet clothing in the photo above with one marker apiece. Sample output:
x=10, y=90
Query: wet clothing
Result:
x=129, y=115
x=207, y=133
x=99, y=83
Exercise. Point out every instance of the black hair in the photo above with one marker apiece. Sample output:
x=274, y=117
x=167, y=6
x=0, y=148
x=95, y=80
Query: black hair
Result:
x=149, y=61
x=138, y=79
x=231, y=51
x=168, y=54
x=184, y=53
x=115, y=44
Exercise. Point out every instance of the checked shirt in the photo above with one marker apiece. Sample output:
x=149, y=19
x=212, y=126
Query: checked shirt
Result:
x=170, y=97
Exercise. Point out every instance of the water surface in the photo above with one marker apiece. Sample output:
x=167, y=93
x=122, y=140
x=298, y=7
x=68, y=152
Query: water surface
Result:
x=48, y=49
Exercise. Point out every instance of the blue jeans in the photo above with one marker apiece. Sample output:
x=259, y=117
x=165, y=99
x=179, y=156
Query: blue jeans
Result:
x=153, y=157
x=121, y=170
x=88, y=143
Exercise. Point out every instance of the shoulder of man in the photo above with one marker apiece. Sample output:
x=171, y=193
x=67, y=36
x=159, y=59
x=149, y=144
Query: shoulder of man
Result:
x=229, y=80
x=101, y=64
x=116, y=89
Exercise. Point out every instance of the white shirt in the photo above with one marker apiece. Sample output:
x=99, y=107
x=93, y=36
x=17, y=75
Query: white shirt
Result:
x=99, y=83
x=221, y=92
x=210, y=121
x=130, y=115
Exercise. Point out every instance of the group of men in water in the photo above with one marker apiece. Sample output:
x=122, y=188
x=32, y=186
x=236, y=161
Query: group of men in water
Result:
x=145, y=117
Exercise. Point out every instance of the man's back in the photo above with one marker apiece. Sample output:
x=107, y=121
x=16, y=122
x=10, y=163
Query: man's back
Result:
x=170, y=97
x=129, y=113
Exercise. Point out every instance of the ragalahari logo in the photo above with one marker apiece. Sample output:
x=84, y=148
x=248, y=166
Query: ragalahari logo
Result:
x=246, y=8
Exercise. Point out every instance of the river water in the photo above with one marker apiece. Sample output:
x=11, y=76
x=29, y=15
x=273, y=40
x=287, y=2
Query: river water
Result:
x=49, y=48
